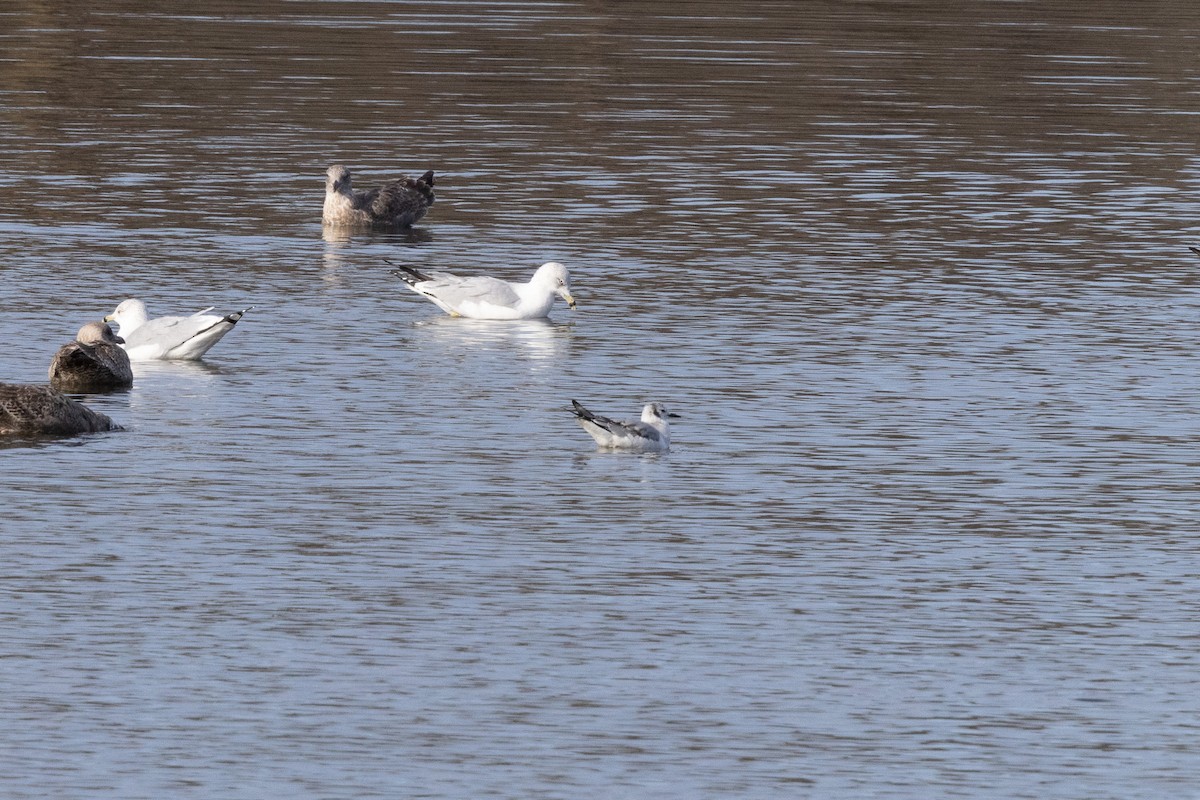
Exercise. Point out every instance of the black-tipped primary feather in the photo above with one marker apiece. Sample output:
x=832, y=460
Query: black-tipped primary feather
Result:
x=583, y=413
x=410, y=275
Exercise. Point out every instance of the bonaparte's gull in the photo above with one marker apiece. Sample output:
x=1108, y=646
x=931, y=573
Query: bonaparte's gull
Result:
x=186, y=338
x=484, y=297
x=94, y=362
x=400, y=203
x=651, y=433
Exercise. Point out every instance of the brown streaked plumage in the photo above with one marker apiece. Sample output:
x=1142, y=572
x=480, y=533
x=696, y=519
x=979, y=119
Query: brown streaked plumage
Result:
x=400, y=203
x=41, y=411
x=94, y=362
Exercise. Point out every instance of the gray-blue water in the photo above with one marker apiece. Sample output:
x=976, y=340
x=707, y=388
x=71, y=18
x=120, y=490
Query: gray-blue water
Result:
x=915, y=276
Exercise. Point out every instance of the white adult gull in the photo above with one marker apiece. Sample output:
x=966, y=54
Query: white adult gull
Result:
x=94, y=362
x=652, y=433
x=184, y=338
x=400, y=203
x=484, y=297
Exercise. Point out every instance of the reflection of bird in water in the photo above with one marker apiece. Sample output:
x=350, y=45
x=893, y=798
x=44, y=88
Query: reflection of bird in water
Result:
x=651, y=433
x=42, y=411
x=186, y=338
x=94, y=362
x=484, y=297
x=399, y=203
x=540, y=341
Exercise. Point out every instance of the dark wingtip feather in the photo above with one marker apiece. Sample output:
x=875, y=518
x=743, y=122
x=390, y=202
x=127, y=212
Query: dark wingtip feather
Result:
x=409, y=275
x=1195, y=250
x=233, y=318
x=584, y=414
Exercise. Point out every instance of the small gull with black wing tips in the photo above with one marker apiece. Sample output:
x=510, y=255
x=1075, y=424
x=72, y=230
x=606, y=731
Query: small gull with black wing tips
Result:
x=652, y=433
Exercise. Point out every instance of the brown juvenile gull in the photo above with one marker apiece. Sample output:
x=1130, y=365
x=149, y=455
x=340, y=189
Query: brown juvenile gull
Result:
x=41, y=411
x=184, y=338
x=485, y=297
x=94, y=362
x=649, y=434
x=400, y=203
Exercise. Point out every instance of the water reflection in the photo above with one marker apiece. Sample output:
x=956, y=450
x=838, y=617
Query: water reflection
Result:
x=179, y=387
x=535, y=339
x=39, y=442
x=187, y=369
x=342, y=241
x=344, y=235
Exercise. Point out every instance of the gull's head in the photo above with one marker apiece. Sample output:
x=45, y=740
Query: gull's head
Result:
x=656, y=412
x=97, y=333
x=129, y=314
x=337, y=179
x=554, y=276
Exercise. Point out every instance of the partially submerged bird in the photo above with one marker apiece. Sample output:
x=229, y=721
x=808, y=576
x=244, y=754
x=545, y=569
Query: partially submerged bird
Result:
x=400, y=203
x=484, y=297
x=649, y=434
x=186, y=338
x=41, y=411
x=94, y=362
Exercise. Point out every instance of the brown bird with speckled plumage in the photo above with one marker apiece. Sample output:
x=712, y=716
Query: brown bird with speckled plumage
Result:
x=400, y=203
x=94, y=362
x=42, y=411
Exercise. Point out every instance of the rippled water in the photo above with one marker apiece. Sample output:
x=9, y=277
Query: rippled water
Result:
x=915, y=276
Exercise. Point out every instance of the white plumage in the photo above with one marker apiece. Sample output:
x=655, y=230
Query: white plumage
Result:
x=649, y=434
x=484, y=297
x=186, y=338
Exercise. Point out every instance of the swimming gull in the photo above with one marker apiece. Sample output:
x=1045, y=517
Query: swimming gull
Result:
x=94, y=362
x=400, y=203
x=649, y=434
x=186, y=338
x=483, y=297
x=39, y=410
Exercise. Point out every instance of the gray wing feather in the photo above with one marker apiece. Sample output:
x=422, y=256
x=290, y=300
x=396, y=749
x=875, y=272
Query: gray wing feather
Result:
x=175, y=330
x=455, y=290
x=639, y=428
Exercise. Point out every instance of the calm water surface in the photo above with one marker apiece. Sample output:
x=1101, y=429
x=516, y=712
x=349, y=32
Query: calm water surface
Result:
x=915, y=276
